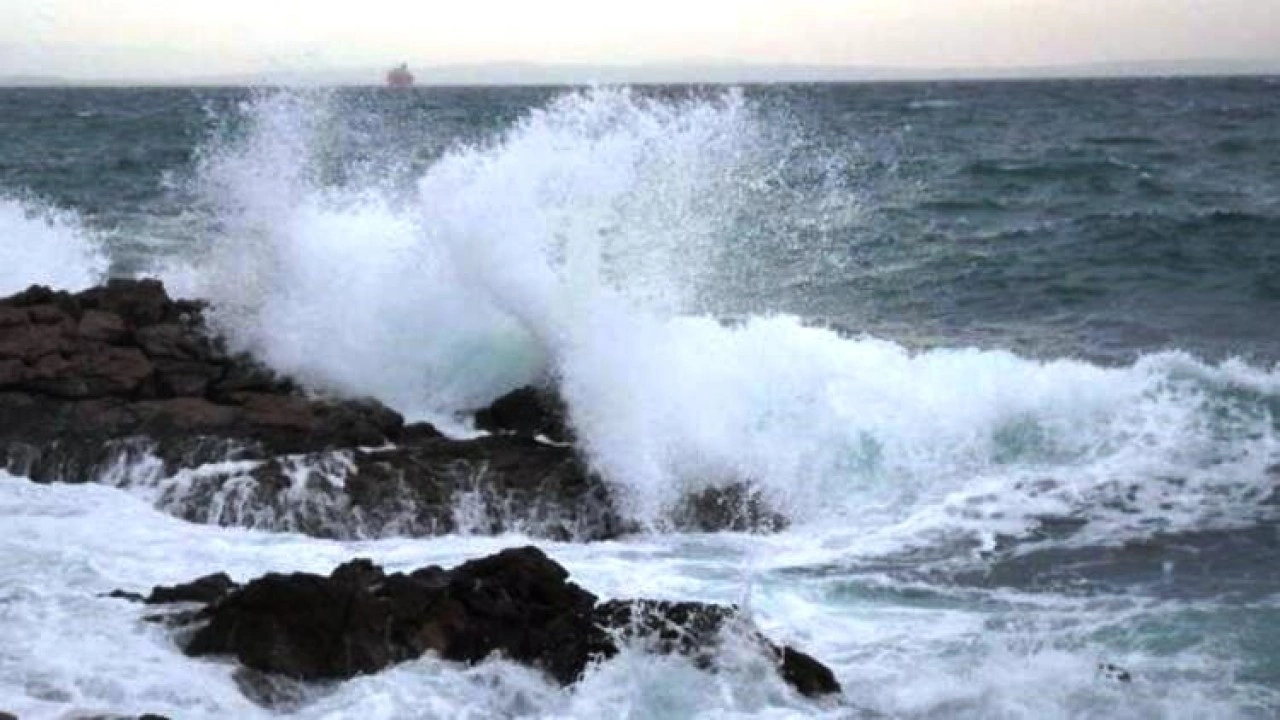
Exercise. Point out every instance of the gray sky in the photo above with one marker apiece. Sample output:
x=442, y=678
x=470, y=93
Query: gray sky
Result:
x=157, y=39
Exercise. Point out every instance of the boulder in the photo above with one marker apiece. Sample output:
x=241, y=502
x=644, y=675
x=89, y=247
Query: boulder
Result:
x=528, y=412
x=738, y=507
x=518, y=603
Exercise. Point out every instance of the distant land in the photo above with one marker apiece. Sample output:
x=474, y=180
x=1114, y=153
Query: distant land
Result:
x=515, y=73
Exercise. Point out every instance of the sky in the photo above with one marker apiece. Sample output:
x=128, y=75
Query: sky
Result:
x=159, y=39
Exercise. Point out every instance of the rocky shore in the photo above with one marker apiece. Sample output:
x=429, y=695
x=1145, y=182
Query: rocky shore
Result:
x=517, y=603
x=123, y=385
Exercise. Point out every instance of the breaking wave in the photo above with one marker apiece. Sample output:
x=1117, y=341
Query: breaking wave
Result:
x=585, y=246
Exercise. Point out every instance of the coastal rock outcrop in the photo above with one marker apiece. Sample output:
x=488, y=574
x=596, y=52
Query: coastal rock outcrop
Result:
x=80, y=374
x=120, y=383
x=518, y=603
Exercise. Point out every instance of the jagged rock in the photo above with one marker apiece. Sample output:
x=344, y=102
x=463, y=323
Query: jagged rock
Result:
x=360, y=620
x=118, y=375
x=111, y=378
x=688, y=628
x=518, y=603
x=527, y=412
x=511, y=484
x=426, y=486
x=536, y=412
x=81, y=372
x=738, y=507
x=693, y=630
x=207, y=589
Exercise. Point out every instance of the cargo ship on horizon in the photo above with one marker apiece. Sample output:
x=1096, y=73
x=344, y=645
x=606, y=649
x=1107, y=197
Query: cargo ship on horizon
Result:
x=400, y=76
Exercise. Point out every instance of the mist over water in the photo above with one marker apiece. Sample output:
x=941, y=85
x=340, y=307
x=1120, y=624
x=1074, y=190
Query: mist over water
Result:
x=670, y=261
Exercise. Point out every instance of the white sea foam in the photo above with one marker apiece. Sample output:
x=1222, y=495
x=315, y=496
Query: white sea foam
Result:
x=66, y=651
x=46, y=246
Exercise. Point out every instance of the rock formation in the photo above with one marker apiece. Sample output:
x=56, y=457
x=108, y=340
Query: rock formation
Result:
x=122, y=383
x=518, y=602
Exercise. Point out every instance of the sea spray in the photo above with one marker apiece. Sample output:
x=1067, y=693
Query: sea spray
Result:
x=580, y=246
x=40, y=244
x=440, y=306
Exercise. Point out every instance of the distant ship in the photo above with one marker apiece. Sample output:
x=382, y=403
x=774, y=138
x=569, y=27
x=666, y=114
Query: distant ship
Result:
x=400, y=76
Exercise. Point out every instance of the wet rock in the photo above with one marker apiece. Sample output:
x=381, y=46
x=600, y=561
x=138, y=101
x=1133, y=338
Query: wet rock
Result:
x=121, y=381
x=427, y=486
x=204, y=590
x=694, y=630
x=277, y=692
x=1114, y=672
x=122, y=361
x=518, y=603
x=805, y=673
x=207, y=589
x=360, y=620
x=738, y=507
x=528, y=412
x=488, y=485
x=687, y=628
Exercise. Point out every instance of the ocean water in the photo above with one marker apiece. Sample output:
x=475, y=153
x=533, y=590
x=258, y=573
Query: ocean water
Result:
x=1004, y=353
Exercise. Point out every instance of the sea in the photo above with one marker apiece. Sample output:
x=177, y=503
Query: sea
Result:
x=1003, y=353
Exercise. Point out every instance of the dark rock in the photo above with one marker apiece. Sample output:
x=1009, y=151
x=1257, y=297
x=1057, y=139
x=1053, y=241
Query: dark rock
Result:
x=527, y=412
x=120, y=376
x=688, y=628
x=1114, y=672
x=123, y=361
x=207, y=589
x=693, y=630
x=276, y=692
x=359, y=620
x=518, y=603
x=738, y=507
x=105, y=327
x=139, y=302
x=424, y=487
x=8, y=716
x=805, y=673
x=507, y=483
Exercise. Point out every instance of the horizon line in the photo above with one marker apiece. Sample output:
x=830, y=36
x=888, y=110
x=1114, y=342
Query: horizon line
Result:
x=514, y=73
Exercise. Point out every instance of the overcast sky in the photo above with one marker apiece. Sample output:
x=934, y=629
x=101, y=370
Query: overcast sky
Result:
x=154, y=39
